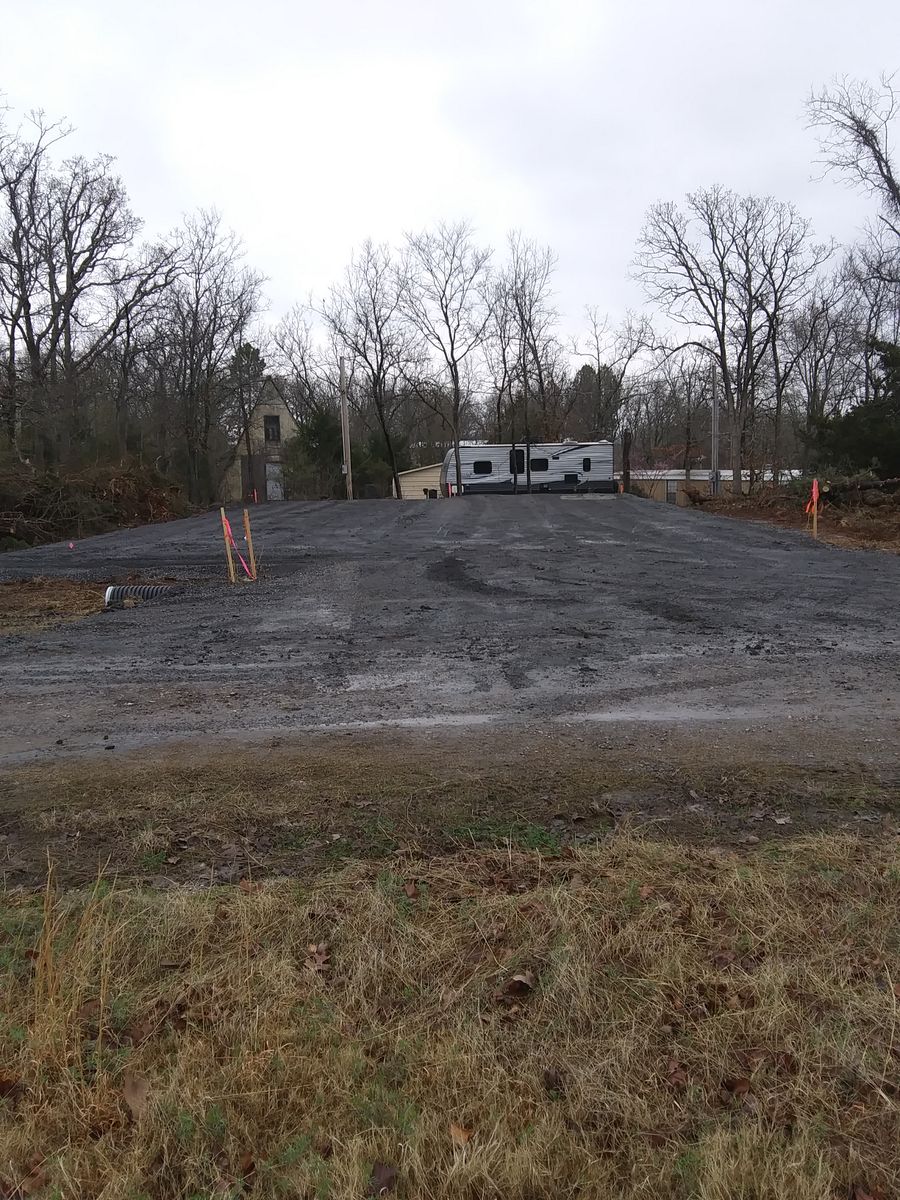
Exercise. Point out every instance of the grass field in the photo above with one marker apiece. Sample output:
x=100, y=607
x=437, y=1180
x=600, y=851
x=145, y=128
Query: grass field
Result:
x=641, y=1019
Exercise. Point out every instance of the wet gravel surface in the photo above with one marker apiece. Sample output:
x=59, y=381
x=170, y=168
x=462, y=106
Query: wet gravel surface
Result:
x=606, y=614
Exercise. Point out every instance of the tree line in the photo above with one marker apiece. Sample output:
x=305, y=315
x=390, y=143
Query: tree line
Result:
x=116, y=347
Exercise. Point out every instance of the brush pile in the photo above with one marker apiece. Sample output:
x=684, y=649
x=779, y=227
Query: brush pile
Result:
x=38, y=507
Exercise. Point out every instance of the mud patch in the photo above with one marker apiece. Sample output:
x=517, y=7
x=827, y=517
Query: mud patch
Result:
x=454, y=572
x=193, y=817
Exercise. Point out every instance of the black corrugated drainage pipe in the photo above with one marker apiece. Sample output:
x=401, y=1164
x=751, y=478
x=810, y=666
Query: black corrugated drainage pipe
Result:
x=116, y=594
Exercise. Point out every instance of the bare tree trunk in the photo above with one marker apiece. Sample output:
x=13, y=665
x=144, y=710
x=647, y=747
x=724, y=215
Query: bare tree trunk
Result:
x=525, y=423
x=686, y=462
x=626, y=460
x=737, y=457
x=457, y=462
x=389, y=446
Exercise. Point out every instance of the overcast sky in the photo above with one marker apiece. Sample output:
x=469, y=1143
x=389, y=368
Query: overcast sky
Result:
x=311, y=124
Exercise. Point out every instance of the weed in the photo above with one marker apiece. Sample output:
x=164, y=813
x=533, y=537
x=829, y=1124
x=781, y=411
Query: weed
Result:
x=460, y=1016
x=523, y=835
x=153, y=860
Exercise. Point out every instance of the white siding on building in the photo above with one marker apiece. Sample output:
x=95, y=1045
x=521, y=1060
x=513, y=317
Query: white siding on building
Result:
x=416, y=484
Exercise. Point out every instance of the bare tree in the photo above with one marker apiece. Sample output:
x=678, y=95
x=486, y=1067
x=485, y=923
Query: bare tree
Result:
x=499, y=349
x=303, y=380
x=854, y=119
x=713, y=270
x=442, y=293
x=365, y=315
x=791, y=265
x=613, y=355
x=206, y=312
x=542, y=372
x=72, y=277
x=826, y=338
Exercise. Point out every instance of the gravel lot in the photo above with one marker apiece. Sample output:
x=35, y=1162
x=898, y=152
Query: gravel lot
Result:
x=606, y=617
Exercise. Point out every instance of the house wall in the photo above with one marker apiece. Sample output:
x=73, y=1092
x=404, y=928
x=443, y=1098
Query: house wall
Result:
x=415, y=483
x=239, y=482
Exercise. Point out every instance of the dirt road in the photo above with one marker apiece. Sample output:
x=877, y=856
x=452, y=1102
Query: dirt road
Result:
x=610, y=614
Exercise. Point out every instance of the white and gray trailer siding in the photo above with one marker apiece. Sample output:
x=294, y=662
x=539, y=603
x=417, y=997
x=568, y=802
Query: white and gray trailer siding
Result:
x=538, y=467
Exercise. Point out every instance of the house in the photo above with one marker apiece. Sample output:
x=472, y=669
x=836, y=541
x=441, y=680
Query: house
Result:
x=420, y=482
x=261, y=476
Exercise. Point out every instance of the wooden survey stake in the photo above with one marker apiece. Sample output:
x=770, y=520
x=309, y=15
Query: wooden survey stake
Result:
x=225, y=538
x=249, y=539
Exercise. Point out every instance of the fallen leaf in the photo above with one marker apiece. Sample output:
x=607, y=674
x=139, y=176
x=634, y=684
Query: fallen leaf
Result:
x=552, y=1080
x=135, y=1092
x=459, y=1135
x=11, y=1086
x=36, y=1179
x=138, y=1031
x=89, y=1011
x=383, y=1179
x=723, y=958
x=249, y=886
x=784, y=1061
x=646, y=891
x=676, y=1074
x=737, y=1087
x=247, y=1169
x=520, y=984
x=411, y=890
x=318, y=958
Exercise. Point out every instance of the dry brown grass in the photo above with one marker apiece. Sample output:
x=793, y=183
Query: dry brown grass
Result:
x=684, y=1024
x=31, y=604
x=196, y=816
x=856, y=528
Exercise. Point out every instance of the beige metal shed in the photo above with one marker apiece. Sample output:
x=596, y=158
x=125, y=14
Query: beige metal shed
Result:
x=418, y=482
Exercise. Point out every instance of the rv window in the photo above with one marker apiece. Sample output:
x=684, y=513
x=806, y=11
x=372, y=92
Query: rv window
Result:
x=517, y=462
x=540, y=464
x=482, y=467
x=585, y=464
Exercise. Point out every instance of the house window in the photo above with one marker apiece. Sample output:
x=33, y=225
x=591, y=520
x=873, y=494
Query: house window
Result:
x=585, y=464
x=517, y=462
x=540, y=464
x=672, y=491
x=272, y=428
x=482, y=467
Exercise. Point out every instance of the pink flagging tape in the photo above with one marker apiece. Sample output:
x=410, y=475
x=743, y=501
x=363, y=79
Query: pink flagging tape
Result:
x=234, y=547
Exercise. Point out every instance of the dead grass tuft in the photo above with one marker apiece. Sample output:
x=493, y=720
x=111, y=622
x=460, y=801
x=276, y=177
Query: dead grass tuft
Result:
x=27, y=605
x=639, y=1020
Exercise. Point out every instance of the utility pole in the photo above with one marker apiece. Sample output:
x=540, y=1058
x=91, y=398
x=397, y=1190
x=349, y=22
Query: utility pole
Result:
x=346, y=467
x=714, y=439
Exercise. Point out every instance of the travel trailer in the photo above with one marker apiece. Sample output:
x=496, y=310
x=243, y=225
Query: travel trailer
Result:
x=538, y=467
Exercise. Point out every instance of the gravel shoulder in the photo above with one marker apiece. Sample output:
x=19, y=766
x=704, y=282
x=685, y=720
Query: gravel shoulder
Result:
x=608, y=615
